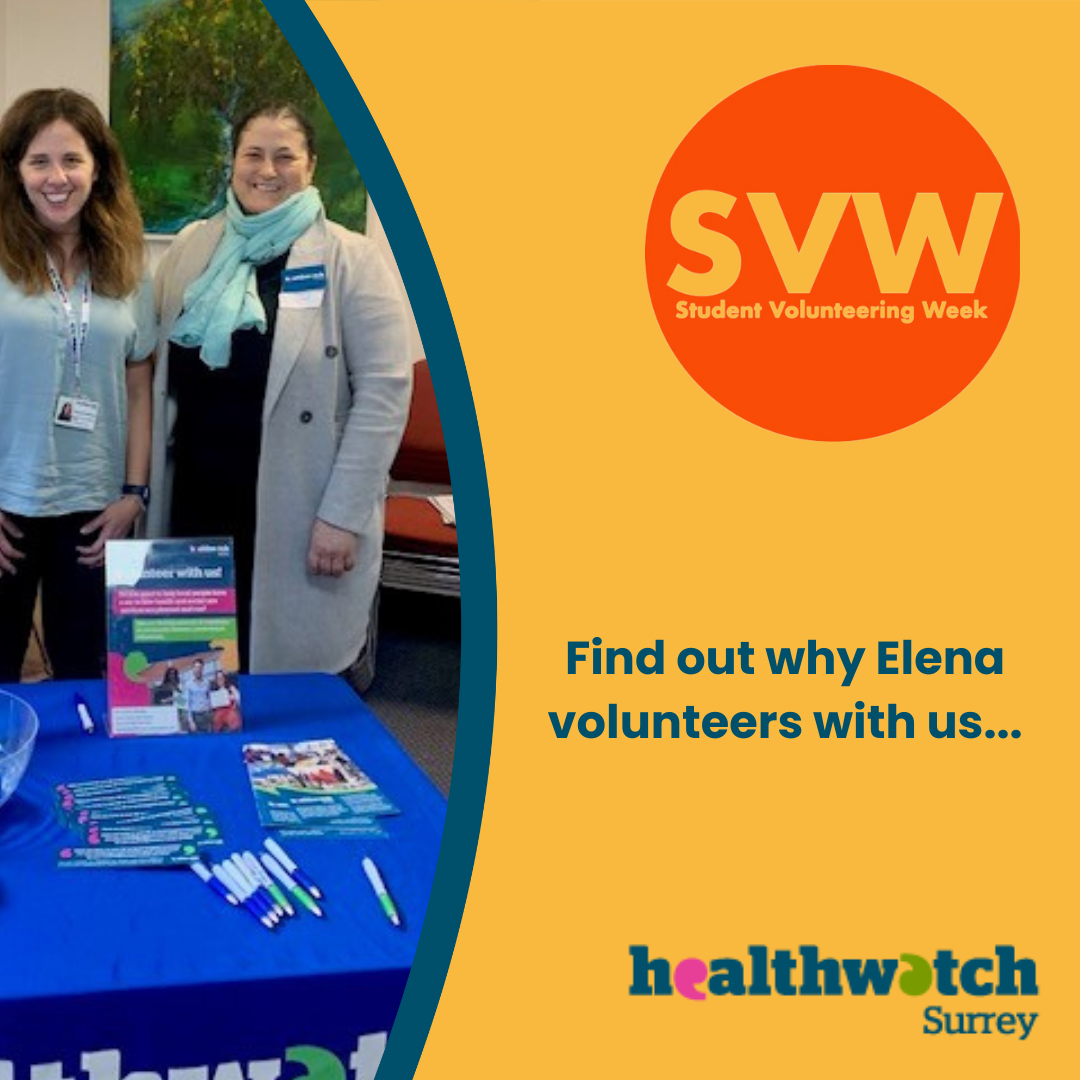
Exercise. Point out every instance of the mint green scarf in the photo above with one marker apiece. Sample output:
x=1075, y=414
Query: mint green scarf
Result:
x=225, y=297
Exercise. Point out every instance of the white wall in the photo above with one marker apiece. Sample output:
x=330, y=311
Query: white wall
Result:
x=66, y=43
x=55, y=43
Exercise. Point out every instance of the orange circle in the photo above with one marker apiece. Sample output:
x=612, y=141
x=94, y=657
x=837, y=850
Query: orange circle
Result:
x=818, y=171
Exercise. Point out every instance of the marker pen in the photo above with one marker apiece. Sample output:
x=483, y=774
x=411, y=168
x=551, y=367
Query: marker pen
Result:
x=206, y=877
x=277, y=871
x=225, y=882
x=278, y=852
x=225, y=873
x=85, y=719
x=255, y=868
x=254, y=893
x=376, y=882
x=240, y=868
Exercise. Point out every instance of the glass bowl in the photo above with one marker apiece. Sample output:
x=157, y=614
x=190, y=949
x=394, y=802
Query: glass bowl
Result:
x=18, y=732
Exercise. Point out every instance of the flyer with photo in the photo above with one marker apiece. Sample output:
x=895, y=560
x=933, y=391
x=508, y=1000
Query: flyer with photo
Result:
x=314, y=786
x=173, y=656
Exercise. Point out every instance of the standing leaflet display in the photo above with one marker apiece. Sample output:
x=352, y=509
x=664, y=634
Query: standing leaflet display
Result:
x=173, y=654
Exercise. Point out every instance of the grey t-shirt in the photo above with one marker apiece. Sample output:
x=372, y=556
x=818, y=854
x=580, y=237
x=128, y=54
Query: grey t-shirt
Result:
x=47, y=469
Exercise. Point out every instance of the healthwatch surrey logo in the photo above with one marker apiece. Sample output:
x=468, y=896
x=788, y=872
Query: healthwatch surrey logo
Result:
x=833, y=253
x=806, y=973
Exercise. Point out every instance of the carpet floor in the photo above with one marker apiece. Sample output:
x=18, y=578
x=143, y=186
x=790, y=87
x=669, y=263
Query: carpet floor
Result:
x=417, y=670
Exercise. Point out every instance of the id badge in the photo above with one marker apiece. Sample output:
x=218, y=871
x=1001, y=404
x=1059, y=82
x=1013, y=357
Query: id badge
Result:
x=76, y=412
x=302, y=287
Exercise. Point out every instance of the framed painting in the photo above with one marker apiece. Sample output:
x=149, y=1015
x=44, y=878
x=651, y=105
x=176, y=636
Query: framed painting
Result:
x=182, y=72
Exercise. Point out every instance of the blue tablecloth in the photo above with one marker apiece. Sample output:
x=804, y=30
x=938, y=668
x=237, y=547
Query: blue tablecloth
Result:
x=150, y=963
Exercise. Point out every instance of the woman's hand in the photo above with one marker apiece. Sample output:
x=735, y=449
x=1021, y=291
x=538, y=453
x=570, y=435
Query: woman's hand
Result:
x=113, y=523
x=332, y=551
x=8, y=551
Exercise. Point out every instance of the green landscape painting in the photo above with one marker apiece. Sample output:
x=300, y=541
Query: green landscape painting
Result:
x=182, y=71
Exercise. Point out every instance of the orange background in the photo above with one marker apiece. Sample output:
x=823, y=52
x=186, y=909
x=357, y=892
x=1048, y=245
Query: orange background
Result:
x=628, y=504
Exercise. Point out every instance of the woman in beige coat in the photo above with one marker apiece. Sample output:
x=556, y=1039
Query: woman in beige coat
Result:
x=281, y=397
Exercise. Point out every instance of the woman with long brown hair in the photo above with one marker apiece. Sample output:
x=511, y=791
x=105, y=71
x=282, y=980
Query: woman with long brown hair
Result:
x=76, y=330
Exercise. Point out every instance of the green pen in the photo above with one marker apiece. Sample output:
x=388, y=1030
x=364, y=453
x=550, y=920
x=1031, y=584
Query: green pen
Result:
x=279, y=896
x=302, y=897
x=267, y=882
x=376, y=881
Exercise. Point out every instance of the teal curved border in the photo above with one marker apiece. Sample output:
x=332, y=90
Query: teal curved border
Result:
x=475, y=544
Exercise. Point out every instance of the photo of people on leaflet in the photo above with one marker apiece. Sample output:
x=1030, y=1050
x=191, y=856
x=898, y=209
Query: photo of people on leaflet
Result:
x=202, y=693
x=233, y=357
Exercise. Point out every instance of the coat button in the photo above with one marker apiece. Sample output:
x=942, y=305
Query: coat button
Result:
x=305, y=417
x=331, y=351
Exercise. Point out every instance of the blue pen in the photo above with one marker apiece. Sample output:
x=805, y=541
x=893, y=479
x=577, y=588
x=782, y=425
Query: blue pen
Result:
x=257, y=892
x=222, y=880
x=205, y=876
x=222, y=885
x=85, y=717
x=276, y=849
x=257, y=873
x=226, y=874
x=247, y=892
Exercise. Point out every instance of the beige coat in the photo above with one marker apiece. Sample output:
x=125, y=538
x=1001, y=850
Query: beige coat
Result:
x=337, y=398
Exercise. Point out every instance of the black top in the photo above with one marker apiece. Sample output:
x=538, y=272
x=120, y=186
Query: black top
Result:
x=218, y=431
x=217, y=439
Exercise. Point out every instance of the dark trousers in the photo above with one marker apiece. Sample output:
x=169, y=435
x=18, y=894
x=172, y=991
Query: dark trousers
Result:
x=72, y=600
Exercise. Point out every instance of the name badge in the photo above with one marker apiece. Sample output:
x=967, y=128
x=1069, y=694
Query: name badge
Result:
x=303, y=287
x=76, y=412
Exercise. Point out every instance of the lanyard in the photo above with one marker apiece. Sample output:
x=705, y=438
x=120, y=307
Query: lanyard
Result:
x=77, y=329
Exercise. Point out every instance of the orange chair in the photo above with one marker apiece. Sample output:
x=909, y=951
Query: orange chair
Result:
x=420, y=551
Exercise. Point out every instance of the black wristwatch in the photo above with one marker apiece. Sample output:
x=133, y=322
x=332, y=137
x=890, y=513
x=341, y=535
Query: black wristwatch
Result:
x=140, y=491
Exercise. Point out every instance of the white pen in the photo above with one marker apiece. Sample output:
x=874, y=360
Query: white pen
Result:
x=85, y=718
x=279, y=872
x=254, y=890
x=376, y=881
x=214, y=883
x=225, y=873
x=240, y=865
x=278, y=852
x=227, y=882
x=256, y=870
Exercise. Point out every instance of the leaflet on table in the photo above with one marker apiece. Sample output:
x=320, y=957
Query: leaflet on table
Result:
x=173, y=653
x=170, y=854
x=315, y=787
x=132, y=821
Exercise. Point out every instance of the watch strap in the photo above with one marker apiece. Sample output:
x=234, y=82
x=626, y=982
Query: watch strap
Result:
x=140, y=491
